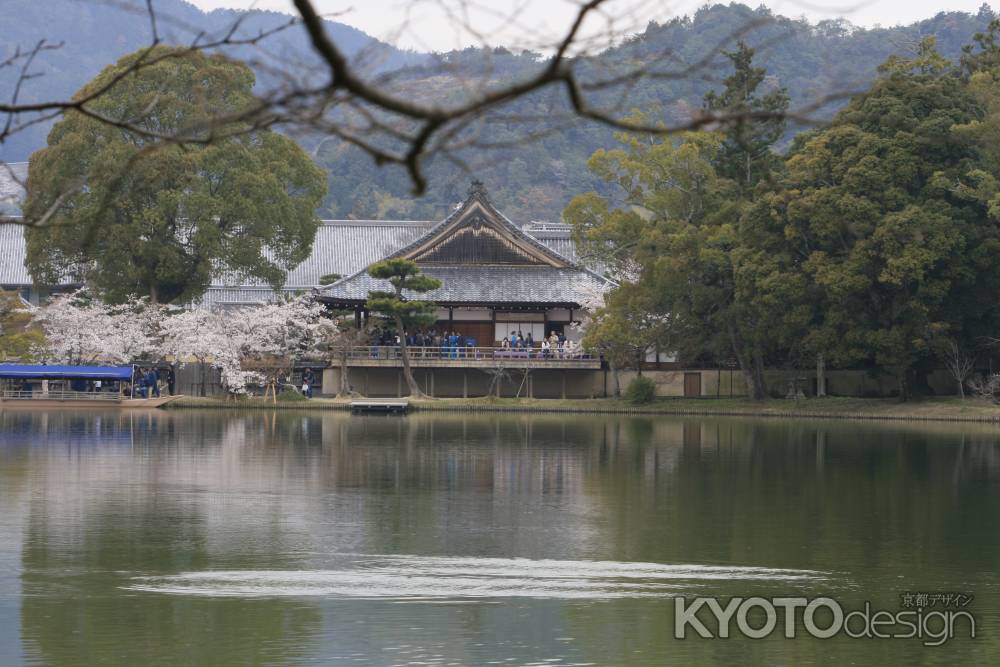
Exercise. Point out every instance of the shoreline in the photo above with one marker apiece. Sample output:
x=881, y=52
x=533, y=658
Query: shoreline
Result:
x=938, y=409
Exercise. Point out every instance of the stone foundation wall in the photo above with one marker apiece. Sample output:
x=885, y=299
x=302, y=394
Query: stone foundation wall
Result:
x=588, y=383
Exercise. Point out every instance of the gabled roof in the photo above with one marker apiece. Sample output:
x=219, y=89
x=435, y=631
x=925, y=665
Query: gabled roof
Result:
x=480, y=256
x=470, y=285
x=476, y=233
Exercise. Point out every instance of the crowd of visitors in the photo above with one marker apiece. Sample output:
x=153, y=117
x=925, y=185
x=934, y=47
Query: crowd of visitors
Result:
x=556, y=345
x=453, y=344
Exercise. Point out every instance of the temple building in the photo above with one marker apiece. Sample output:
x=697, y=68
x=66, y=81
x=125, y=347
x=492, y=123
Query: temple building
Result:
x=496, y=277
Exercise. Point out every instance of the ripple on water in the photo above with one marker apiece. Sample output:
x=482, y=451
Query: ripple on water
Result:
x=431, y=578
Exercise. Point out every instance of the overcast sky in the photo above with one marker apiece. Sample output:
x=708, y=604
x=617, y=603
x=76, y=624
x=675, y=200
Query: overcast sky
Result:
x=428, y=28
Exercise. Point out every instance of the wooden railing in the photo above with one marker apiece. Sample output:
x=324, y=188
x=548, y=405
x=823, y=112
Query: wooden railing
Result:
x=59, y=395
x=455, y=353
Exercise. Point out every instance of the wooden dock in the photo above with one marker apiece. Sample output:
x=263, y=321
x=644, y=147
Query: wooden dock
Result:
x=388, y=406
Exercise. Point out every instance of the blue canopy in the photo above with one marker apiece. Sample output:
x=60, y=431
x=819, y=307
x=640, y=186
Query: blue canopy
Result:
x=33, y=372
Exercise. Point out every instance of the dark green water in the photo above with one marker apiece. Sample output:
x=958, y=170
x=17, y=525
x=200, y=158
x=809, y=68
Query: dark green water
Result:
x=226, y=538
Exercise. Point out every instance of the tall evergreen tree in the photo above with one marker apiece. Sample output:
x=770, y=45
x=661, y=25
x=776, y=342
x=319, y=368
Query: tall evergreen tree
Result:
x=134, y=216
x=872, y=222
x=747, y=153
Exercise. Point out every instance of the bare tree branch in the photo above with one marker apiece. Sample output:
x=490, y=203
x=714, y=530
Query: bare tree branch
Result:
x=383, y=116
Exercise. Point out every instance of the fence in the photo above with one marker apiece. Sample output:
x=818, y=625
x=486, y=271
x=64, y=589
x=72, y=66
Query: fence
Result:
x=25, y=395
x=454, y=353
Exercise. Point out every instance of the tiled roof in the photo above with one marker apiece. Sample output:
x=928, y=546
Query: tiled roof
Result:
x=11, y=192
x=484, y=284
x=343, y=247
x=478, y=200
x=12, y=252
x=347, y=247
x=239, y=296
x=555, y=279
x=556, y=236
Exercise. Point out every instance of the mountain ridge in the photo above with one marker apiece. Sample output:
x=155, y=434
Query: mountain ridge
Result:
x=528, y=180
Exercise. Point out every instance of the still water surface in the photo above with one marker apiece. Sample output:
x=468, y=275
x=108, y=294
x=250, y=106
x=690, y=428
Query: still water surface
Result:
x=307, y=538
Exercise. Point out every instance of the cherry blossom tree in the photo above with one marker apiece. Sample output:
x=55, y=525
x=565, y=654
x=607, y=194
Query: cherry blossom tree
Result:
x=250, y=345
x=199, y=336
x=271, y=337
x=82, y=330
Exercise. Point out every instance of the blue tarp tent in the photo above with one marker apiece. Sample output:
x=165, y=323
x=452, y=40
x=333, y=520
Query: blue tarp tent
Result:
x=32, y=372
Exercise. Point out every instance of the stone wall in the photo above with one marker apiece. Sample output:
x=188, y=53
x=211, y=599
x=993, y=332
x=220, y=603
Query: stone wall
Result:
x=471, y=382
x=585, y=383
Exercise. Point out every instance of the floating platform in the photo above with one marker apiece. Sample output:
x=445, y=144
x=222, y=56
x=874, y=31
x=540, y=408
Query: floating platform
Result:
x=385, y=406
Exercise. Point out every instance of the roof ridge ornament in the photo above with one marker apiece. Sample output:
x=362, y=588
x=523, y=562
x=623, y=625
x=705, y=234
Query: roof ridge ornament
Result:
x=477, y=189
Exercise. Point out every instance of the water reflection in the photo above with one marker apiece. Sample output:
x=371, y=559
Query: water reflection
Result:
x=312, y=537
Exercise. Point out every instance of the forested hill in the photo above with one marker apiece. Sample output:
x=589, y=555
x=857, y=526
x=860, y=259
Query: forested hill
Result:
x=95, y=34
x=529, y=180
x=537, y=179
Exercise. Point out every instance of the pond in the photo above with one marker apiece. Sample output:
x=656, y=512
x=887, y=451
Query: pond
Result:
x=320, y=538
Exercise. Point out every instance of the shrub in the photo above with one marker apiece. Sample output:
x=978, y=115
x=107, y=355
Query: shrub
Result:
x=290, y=394
x=640, y=390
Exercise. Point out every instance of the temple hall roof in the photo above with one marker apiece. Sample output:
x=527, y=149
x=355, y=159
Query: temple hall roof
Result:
x=481, y=256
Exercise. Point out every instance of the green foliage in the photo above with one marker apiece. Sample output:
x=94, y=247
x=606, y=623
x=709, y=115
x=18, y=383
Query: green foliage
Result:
x=625, y=327
x=640, y=390
x=135, y=216
x=870, y=229
x=673, y=231
x=535, y=180
x=402, y=274
x=291, y=394
x=746, y=154
x=18, y=338
x=329, y=278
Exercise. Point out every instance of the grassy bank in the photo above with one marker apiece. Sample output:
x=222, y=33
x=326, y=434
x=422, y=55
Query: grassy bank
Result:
x=937, y=409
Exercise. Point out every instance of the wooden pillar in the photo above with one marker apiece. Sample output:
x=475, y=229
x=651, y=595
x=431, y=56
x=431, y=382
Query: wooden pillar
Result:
x=564, y=383
x=531, y=385
x=431, y=371
x=399, y=384
x=465, y=383
x=451, y=318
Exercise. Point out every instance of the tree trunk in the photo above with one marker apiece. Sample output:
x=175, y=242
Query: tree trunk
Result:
x=615, y=377
x=345, y=387
x=759, y=388
x=820, y=376
x=404, y=353
x=961, y=389
x=752, y=367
